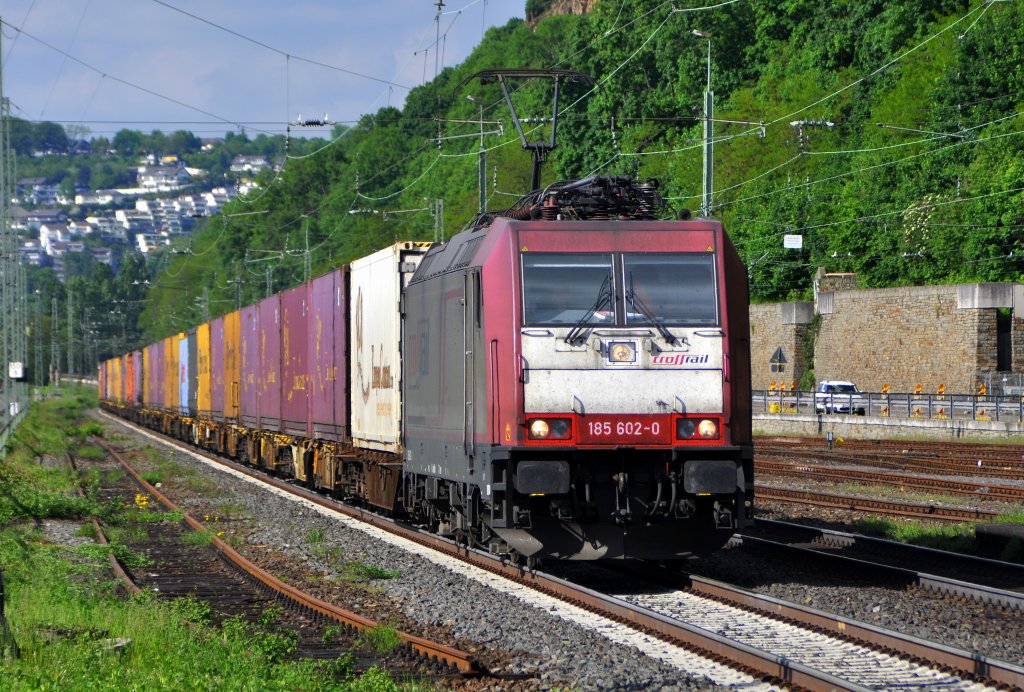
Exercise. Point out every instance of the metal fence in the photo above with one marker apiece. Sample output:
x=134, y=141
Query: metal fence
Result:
x=1006, y=408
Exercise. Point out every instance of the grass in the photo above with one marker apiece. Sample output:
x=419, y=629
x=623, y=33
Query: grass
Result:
x=382, y=638
x=64, y=613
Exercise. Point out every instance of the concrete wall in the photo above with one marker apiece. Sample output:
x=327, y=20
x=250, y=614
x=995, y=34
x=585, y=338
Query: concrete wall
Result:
x=927, y=335
x=868, y=427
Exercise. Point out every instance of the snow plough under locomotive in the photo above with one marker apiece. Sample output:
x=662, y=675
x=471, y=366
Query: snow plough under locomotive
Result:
x=569, y=379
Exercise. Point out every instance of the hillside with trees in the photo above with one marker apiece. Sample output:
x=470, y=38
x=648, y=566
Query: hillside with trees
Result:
x=887, y=134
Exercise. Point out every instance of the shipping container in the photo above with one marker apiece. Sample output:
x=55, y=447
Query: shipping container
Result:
x=152, y=369
x=294, y=361
x=102, y=379
x=171, y=392
x=115, y=379
x=249, y=409
x=232, y=364
x=185, y=372
x=129, y=378
x=202, y=378
x=137, y=382
x=268, y=381
x=375, y=344
x=328, y=394
x=215, y=366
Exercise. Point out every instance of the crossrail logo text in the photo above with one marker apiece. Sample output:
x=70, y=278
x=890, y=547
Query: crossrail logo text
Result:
x=681, y=359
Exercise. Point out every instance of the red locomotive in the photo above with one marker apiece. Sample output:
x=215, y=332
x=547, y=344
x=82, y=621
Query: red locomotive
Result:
x=569, y=380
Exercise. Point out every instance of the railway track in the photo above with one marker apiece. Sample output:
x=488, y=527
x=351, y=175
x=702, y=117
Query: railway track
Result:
x=884, y=507
x=797, y=663
x=988, y=581
x=250, y=590
x=987, y=492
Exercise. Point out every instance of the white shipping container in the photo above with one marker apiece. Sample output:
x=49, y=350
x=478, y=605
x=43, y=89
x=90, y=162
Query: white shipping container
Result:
x=375, y=343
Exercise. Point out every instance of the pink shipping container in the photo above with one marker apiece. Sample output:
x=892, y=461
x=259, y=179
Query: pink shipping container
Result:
x=217, y=369
x=155, y=382
x=249, y=409
x=268, y=378
x=294, y=361
x=103, y=379
x=328, y=394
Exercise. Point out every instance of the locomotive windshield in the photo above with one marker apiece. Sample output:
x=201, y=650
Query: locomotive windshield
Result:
x=559, y=288
x=670, y=288
x=653, y=289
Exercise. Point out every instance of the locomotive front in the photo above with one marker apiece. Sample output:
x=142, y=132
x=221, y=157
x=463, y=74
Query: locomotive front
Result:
x=612, y=401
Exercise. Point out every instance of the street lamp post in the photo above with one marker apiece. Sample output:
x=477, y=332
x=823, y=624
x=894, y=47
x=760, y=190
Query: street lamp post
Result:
x=709, y=134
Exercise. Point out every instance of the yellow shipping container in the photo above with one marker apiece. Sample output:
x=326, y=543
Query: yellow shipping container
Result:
x=115, y=380
x=203, y=370
x=232, y=362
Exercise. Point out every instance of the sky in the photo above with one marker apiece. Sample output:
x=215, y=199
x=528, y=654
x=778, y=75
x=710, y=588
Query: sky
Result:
x=164, y=65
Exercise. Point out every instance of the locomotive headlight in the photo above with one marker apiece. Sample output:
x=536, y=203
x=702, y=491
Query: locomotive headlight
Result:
x=708, y=429
x=540, y=430
x=550, y=428
x=622, y=352
x=685, y=428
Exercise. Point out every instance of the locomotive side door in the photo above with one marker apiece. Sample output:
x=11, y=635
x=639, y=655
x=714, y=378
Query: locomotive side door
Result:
x=471, y=324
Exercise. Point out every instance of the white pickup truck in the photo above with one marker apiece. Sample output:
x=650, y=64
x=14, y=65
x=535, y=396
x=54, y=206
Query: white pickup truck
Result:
x=837, y=396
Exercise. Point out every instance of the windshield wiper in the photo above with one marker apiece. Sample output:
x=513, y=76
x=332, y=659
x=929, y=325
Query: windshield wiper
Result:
x=579, y=333
x=641, y=306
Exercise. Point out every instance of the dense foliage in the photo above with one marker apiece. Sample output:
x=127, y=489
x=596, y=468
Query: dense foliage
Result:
x=891, y=142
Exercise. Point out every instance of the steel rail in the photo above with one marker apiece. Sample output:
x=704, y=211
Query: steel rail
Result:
x=1000, y=493
x=903, y=509
x=756, y=662
x=115, y=564
x=897, y=462
x=433, y=652
x=829, y=539
x=930, y=653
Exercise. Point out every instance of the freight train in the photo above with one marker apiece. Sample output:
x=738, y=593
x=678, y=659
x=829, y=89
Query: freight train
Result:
x=569, y=379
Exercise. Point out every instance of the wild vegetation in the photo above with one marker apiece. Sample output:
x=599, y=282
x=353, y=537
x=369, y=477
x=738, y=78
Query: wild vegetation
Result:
x=63, y=623
x=888, y=135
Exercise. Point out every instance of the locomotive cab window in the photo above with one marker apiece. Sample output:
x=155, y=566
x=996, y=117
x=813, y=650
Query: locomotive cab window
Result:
x=563, y=289
x=624, y=290
x=678, y=289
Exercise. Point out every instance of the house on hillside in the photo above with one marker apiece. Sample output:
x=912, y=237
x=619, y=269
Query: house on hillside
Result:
x=38, y=191
x=99, y=198
x=162, y=178
x=249, y=164
x=35, y=219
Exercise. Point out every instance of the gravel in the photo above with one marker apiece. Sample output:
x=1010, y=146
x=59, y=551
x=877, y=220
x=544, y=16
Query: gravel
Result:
x=525, y=647
x=530, y=648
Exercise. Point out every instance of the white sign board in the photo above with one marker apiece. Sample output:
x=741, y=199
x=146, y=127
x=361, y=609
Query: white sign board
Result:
x=15, y=370
x=793, y=242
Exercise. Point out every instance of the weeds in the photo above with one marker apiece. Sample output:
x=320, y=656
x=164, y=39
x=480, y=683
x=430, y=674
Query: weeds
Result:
x=125, y=555
x=382, y=638
x=315, y=536
x=193, y=610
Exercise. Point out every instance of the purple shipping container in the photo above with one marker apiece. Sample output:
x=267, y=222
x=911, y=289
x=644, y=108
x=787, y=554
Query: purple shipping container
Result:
x=294, y=363
x=217, y=369
x=328, y=369
x=249, y=410
x=269, y=378
x=157, y=375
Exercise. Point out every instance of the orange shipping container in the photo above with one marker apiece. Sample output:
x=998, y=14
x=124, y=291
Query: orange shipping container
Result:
x=203, y=370
x=170, y=375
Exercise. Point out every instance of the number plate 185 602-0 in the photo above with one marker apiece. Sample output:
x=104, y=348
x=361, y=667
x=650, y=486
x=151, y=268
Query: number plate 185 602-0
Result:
x=625, y=429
